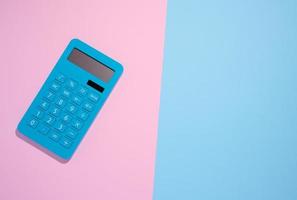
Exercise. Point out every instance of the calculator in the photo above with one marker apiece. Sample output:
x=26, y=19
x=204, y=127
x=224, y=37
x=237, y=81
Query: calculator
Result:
x=69, y=100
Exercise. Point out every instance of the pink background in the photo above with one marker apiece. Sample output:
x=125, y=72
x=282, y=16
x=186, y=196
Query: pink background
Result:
x=116, y=158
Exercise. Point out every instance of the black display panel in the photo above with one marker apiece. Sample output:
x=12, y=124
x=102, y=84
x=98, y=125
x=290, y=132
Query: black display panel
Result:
x=91, y=65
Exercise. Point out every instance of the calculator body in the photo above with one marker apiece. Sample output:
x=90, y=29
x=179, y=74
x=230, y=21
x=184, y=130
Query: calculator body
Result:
x=69, y=100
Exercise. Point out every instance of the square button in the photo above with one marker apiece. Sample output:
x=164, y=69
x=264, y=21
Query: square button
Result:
x=82, y=91
x=55, y=111
x=93, y=96
x=88, y=106
x=71, y=84
x=50, y=96
x=65, y=142
x=61, y=102
x=66, y=118
x=33, y=123
x=61, y=78
x=38, y=113
x=43, y=129
x=71, y=108
x=83, y=115
x=66, y=93
x=76, y=100
x=71, y=133
x=49, y=120
x=60, y=126
x=55, y=86
x=54, y=136
x=44, y=105
x=77, y=124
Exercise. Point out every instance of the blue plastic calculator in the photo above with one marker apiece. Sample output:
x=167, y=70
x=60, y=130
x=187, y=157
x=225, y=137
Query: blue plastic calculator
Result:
x=69, y=100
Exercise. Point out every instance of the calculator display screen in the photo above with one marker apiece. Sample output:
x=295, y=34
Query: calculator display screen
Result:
x=91, y=65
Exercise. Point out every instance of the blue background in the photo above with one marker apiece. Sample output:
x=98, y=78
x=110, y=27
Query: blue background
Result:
x=228, y=116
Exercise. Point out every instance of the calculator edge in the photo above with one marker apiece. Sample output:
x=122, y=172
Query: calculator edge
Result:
x=26, y=137
x=38, y=146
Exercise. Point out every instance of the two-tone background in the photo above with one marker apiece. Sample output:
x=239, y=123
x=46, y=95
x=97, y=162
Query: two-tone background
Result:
x=206, y=108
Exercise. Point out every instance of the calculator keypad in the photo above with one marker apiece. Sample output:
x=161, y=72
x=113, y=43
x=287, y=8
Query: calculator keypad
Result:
x=63, y=110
